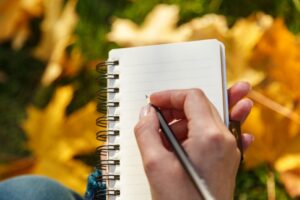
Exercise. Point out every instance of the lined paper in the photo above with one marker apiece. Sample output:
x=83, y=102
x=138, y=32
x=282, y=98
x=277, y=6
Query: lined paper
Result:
x=144, y=70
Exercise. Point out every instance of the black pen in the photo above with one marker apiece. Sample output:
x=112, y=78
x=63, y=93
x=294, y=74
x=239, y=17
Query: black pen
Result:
x=183, y=157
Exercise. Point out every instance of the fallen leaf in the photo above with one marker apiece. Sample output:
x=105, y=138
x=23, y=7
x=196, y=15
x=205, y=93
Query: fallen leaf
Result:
x=274, y=122
x=291, y=179
x=57, y=28
x=16, y=167
x=239, y=50
x=15, y=16
x=56, y=138
x=278, y=53
x=160, y=26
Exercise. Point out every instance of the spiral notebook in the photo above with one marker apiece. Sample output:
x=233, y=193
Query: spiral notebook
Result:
x=135, y=72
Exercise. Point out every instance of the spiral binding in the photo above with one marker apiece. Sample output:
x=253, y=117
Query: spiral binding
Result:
x=107, y=122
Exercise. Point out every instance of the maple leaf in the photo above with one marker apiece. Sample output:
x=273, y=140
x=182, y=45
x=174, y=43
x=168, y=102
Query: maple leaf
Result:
x=15, y=16
x=278, y=141
x=275, y=123
x=160, y=26
x=55, y=139
x=239, y=50
x=57, y=28
x=278, y=53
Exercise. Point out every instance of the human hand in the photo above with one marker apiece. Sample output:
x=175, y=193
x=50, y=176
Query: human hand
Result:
x=213, y=149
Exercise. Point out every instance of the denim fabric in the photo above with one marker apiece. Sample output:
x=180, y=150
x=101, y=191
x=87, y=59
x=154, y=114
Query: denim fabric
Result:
x=35, y=188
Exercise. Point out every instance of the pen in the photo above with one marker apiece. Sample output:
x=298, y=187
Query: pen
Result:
x=183, y=157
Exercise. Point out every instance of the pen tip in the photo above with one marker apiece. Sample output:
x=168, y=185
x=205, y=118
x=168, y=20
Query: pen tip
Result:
x=147, y=98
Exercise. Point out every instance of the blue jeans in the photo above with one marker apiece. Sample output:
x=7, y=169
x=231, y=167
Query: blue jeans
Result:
x=35, y=188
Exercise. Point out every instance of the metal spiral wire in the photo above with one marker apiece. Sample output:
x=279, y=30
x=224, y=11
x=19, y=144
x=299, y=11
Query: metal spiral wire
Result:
x=104, y=134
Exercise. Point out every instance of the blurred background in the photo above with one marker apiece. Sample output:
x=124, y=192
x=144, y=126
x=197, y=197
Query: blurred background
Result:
x=48, y=83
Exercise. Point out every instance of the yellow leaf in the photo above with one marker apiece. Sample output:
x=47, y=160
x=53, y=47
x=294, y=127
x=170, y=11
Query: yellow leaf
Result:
x=56, y=138
x=278, y=53
x=15, y=16
x=239, y=49
x=57, y=28
x=275, y=124
x=159, y=27
x=291, y=179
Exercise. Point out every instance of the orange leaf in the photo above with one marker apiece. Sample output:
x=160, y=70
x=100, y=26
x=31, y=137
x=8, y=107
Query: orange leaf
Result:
x=56, y=138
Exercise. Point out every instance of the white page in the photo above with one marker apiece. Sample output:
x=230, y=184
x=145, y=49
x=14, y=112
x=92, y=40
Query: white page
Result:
x=144, y=70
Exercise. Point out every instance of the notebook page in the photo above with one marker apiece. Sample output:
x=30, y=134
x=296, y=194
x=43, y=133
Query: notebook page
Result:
x=144, y=70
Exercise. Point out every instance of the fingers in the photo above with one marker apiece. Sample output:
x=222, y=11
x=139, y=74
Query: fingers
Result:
x=148, y=137
x=247, y=139
x=180, y=129
x=193, y=102
x=237, y=92
x=241, y=110
x=172, y=114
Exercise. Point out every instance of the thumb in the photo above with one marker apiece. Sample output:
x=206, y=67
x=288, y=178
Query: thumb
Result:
x=148, y=137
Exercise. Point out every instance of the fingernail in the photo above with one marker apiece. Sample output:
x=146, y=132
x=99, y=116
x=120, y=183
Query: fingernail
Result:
x=145, y=111
x=252, y=138
x=245, y=85
x=251, y=103
x=247, y=140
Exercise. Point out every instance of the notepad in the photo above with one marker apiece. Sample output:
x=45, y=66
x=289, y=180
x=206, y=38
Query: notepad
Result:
x=135, y=72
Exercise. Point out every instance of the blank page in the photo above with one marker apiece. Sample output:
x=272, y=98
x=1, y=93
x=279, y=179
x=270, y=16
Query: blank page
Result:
x=144, y=70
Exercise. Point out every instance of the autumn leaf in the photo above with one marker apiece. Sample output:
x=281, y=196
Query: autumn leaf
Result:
x=57, y=28
x=277, y=132
x=275, y=123
x=160, y=26
x=239, y=50
x=56, y=138
x=278, y=54
x=15, y=16
x=292, y=181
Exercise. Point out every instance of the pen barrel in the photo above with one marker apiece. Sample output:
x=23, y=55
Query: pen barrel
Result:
x=182, y=156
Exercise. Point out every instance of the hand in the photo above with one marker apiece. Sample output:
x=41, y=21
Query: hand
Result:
x=205, y=138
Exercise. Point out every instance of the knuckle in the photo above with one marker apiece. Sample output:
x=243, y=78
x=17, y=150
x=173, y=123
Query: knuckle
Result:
x=197, y=92
x=231, y=141
x=151, y=163
x=140, y=127
x=216, y=138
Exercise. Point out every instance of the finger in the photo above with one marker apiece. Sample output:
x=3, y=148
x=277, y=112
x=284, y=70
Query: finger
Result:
x=241, y=110
x=193, y=102
x=172, y=114
x=180, y=130
x=247, y=139
x=147, y=135
x=237, y=92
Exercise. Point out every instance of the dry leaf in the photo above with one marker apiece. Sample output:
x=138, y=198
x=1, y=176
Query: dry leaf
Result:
x=15, y=16
x=272, y=134
x=56, y=138
x=278, y=53
x=16, y=167
x=239, y=50
x=57, y=29
x=275, y=124
x=160, y=26
x=291, y=179
x=207, y=27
